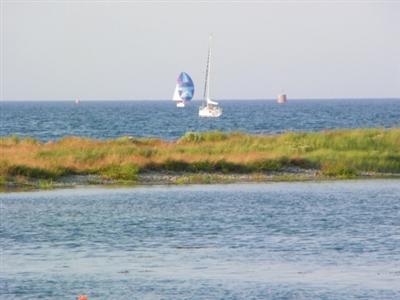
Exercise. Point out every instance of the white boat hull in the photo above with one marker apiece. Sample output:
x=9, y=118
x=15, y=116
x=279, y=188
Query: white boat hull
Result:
x=210, y=112
x=180, y=104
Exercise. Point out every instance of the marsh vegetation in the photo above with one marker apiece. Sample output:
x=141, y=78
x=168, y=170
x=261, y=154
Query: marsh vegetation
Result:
x=333, y=154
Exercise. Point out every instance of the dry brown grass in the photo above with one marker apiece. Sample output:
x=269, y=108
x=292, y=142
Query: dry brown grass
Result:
x=342, y=152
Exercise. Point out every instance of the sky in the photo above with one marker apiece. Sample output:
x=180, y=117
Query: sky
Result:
x=135, y=50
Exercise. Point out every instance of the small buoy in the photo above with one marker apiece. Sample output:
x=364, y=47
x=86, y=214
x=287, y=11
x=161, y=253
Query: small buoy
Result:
x=82, y=297
x=282, y=98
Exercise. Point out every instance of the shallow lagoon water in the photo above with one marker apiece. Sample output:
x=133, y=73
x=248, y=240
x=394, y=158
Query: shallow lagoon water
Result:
x=325, y=240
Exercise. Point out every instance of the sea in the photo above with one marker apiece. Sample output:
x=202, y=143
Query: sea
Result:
x=298, y=240
x=286, y=240
x=52, y=120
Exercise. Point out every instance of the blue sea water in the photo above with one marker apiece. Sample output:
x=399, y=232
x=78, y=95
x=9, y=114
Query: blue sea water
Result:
x=326, y=240
x=110, y=119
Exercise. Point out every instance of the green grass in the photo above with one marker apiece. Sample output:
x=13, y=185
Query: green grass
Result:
x=3, y=180
x=45, y=184
x=124, y=172
x=337, y=153
x=210, y=136
x=200, y=179
x=30, y=172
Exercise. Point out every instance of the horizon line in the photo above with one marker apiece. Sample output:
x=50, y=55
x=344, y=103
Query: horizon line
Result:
x=199, y=100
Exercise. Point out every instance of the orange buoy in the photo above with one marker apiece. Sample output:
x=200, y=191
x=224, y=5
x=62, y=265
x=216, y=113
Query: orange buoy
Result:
x=82, y=297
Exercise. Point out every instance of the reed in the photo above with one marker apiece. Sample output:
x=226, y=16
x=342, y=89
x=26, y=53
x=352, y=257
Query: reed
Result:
x=336, y=153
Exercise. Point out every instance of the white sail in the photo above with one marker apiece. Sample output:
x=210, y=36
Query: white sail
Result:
x=208, y=67
x=209, y=108
x=176, y=96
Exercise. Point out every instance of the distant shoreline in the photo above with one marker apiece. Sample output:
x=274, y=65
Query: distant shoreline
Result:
x=200, y=158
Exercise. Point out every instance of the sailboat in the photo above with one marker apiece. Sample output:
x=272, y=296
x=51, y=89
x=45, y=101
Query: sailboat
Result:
x=184, y=90
x=77, y=101
x=209, y=107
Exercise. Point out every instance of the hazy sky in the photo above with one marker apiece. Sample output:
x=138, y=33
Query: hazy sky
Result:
x=136, y=49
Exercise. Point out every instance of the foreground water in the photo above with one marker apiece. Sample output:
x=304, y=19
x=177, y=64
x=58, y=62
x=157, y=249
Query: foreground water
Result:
x=110, y=119
x=330, y=240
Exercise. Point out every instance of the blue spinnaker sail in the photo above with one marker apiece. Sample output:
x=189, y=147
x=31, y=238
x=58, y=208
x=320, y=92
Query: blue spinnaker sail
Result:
x=185, y=87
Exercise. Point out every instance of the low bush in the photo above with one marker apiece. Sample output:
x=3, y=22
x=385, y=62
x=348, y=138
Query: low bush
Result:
x=209, y=136
x=128, y=172
x=338, y=171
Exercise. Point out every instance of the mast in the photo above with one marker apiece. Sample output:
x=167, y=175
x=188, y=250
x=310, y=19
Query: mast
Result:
x=207, y=82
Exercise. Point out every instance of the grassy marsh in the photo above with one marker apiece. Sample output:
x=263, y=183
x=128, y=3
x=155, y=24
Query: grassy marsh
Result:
x=334, y=154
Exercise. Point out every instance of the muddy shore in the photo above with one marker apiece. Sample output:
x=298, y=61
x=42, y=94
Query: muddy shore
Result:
x=180, y=178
